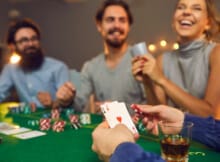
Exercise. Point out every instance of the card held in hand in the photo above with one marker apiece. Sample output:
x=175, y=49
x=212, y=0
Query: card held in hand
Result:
x=117, y=113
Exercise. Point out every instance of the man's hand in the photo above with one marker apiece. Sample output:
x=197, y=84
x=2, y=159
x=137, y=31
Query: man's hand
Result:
x=154, y=114
x=66, y=94
x=45, y=99
x=105, y=139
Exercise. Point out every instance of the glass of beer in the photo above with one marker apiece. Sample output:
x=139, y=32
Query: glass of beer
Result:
x=175, y=141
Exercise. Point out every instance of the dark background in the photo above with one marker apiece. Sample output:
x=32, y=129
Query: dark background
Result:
x=68, y=27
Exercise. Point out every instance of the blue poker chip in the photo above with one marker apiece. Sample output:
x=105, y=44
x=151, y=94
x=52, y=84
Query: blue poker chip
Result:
x=27, y=110
x=141, y=127
x=14, y=110
x=69, y=112
x=33, y=122
x=46, y=115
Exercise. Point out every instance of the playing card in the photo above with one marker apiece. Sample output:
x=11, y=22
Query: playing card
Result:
x=117, y=113
x=15, y=131
x=5, y=127
x=109, y=114
x=30, y=134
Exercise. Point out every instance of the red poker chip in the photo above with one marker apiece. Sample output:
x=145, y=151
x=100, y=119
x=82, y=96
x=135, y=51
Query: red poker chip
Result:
x=45, y=123
x=74, y=118
x=58, y=126
x=55, y=114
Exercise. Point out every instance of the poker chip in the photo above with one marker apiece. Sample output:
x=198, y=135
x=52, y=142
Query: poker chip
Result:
x=33, y=122
x=74, y=126
x=46, y=115
x=85, y=118
x=22, y=108
x=58, y=126
x=55, y=114
x=135, y=118
x=27, y=109
x=74, y=120
x=14, y=109
x=141, y=127
x=69, y=112
x=138, y=112
x=45, y=123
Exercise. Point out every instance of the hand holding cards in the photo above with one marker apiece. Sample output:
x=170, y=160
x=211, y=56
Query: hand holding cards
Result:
x=117, y=113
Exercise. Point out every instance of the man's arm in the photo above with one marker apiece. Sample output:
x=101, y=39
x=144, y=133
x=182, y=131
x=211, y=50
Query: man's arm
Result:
x=67, y=94
x=205, y=130
x=61, y=75
x=117, y=145
x=5, y=83
x=132, y=152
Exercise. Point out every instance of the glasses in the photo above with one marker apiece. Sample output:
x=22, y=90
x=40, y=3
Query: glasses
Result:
x=26, y=40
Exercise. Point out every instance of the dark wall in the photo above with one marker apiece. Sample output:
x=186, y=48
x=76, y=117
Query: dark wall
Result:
x=69, y=32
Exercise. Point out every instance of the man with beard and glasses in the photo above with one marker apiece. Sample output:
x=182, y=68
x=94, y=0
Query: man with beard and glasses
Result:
x=36, y=78
x=108, y=75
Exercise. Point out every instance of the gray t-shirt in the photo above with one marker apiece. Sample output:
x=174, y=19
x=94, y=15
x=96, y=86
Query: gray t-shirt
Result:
x=188, y=67
x=109, y=84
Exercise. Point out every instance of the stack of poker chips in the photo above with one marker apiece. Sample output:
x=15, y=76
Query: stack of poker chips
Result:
x=58, y=126
x=85, y=118
x=137, y=118
x=74, y=120
x=69, y=112
x=23, y=108
x=33, y=122
x=45, y=124
x=55, y=114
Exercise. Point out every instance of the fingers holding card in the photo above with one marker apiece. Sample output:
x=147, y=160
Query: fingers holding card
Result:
x=117, y=113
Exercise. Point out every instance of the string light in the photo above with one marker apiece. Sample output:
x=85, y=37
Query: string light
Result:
x=175, y=46
x=161, y=46
x=15, y=58
x=152, y=47
x=163, y=43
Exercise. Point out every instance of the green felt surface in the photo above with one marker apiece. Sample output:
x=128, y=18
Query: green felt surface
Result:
x=72, y=145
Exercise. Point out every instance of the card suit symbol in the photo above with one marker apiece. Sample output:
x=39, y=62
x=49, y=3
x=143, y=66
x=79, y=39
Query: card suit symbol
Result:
x=119, y=118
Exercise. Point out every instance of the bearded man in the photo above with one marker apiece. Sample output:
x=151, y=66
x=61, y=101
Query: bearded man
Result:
x=36, y=77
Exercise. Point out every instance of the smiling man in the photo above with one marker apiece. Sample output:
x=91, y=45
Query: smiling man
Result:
x=36, y=78
x=108, y=75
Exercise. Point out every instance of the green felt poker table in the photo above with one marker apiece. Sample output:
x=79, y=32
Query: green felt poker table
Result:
x=72, y=145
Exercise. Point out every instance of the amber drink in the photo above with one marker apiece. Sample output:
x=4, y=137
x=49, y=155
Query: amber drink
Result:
x=175, y=141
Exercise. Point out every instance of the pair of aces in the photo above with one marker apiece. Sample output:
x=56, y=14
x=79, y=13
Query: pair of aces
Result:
x=117, y=113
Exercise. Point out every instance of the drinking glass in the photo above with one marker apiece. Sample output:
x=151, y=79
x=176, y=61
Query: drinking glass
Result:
x=139, y=49
x=175, y=141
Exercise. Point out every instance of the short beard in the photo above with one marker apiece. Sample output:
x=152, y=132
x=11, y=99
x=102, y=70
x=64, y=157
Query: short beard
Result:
x=32, y=61
x=115, y=44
